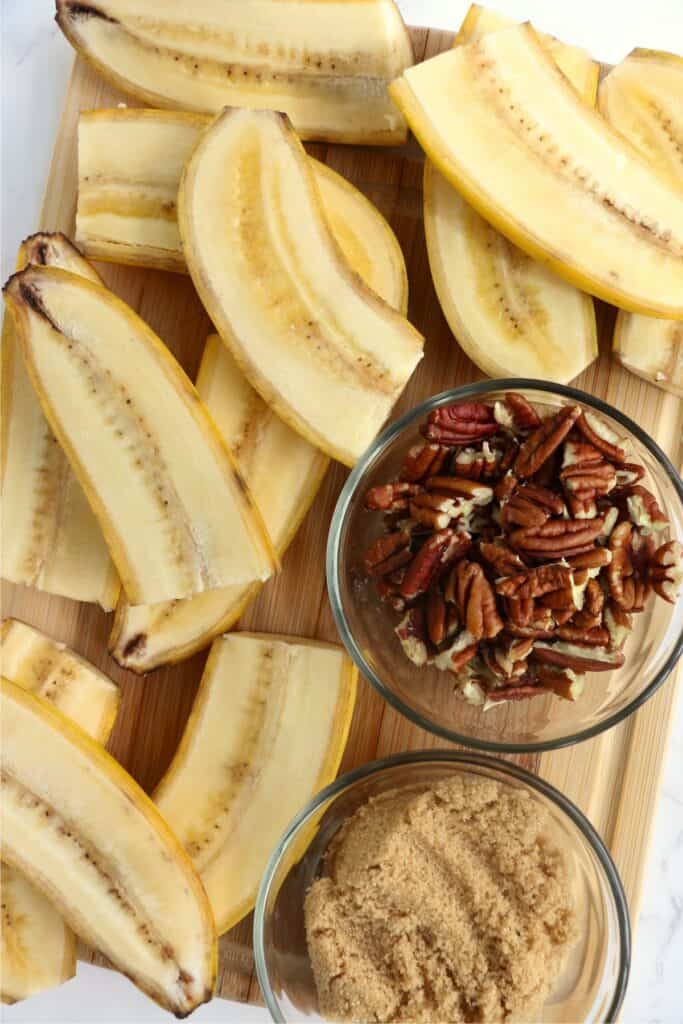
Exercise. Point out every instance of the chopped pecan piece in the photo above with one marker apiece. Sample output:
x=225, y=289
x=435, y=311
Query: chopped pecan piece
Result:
x=556, y=539
x=582, y=508
x=541, y=444
x=628, y=475
x=389, y=591
x=621, y=567
x=521, y=610
x=665, y=570
x=576, y=657
x=423, y=460
x=390, y=497
x=531, y=505
x=644, y=511
x=602, y=437
x=541, y=626
x=535, y=582
x=427, y=564
x=411, y=633
x=618, y=624
x=506, y=487
x=501, y=557
x=562, y=681
x=388, y=553
x=507, y=658
x=476, y=601
x=434, y=510
x=590, y=615
x=516, y=413
x=460, y=424
x=460, y=652
x=475, y=463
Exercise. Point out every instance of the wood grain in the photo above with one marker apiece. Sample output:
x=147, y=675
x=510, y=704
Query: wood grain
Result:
x=614, y=778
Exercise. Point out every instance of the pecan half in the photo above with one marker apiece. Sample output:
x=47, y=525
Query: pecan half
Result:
x=435, y=617
x=427, y=564
x=434, y=510
x=531, y=505
x=602, y=437
x=618, y=624
x=644, y=510
x=589, y=479
x=590, y=615
x=388, y=553
x=541, y=444
x=577, y=658
x=411, y=634
x=506, y=486
x=476, y=601
x=628, y=475
x=562, y=681
x=507, y=658
x=515, y=413
x=596, y=558
x=665, y=570
x=423, y=460
x=460, y=487
x=525, y=692
x=458, y=654
x=541, y=626
x=390, y=497
x=476, y=463
x=582, y=507
x=460, y=424
x=557, y=538
x=596, y=636
x=620, y=567
x=535, y=582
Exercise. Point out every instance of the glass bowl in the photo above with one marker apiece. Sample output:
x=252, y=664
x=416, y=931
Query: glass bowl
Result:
x=592, y=985
x=424, y=695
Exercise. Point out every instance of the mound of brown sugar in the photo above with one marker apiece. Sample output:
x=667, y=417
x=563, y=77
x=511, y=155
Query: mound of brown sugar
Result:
x=445, y=903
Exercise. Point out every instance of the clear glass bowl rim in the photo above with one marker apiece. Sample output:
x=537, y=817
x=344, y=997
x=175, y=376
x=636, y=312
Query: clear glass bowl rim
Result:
x=377, y=448
x=458, y=757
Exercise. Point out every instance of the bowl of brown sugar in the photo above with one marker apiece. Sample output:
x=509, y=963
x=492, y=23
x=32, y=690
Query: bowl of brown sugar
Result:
x=442, y=887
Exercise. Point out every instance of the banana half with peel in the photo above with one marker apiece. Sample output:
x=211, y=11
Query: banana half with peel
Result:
x=38, y=949
x=643, y=99
x=129, y=167
x=511, y=314
x=319, y=346
x=504, y=126
x=175, y=513
x=146, y=636
x=50, y=537
x=241, y=771
x=87, y=836
x=326, y=63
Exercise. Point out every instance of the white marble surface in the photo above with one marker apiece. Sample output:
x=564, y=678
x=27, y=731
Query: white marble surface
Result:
x=35, y=66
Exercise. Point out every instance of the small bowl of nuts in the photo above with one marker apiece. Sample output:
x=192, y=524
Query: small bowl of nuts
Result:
x=504, y=565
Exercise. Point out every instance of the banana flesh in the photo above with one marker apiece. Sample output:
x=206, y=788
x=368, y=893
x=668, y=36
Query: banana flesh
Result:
x=643, y=99
x=326, y=63
x=38, y=949
x=129, y=168
x=81, y=829
x=504, y=126
x=50, y=538
x=325, y=352
x=241, y=772
x=146, y=636
x=177, y=517
x=511, y=314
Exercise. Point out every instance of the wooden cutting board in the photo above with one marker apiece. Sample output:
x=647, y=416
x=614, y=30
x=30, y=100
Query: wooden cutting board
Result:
x=614, y=779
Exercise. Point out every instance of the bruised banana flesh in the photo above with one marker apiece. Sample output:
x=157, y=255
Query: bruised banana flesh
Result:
x=129, y=168
x=511, y=314
x=146, y=636
x=241, y=771
x=506, y=128
x=643, y=99
x=176, y=515
x=322, y=349
x=89, y=838
x=325, y=64
x=50, y=538
x=38, y=950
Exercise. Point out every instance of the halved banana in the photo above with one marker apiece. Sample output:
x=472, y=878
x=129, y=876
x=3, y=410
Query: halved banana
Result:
x=503, y=125
x=283, y=472
x=643, y=99
x=129, y=167
x=176, y=515
x=50, y=538
x=83, y=831
x=38, y=950
x=323, y=62
x=511, y=314
x=241, y=771
x=319, y=346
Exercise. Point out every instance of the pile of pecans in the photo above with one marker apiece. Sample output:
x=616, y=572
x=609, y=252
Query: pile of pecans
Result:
x=517, y=550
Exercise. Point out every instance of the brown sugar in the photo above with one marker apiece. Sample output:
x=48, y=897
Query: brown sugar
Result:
x=444, y=903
